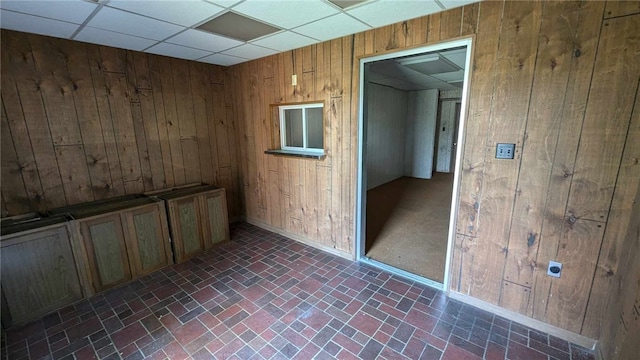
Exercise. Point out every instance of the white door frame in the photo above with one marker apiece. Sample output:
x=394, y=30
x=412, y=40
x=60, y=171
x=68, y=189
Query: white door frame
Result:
x=361, y=205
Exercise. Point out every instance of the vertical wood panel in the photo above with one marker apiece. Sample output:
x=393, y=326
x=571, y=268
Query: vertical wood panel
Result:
x=141, y=141
x=611, y=262
x=29, y=97
x=11, y=174
x=601, y=141
x=554, y=60
x=198, y=85
x=106, y=121
x=20, y=163
x=163, y=132
x=576, y=98
x=75, y=176
x=56, y=91
x=616, y=8
x=86, y=108
x=478, y=118
x=172, y=121
x=125, y=138
x=90, y=122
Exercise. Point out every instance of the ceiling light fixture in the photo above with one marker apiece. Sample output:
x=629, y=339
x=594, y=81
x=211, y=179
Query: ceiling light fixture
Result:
x=429, y=64
x=237, y=27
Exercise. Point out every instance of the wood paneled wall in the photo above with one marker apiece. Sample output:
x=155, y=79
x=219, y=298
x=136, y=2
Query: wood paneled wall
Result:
x=559, y=79
x=621, y=322
x=83, y=122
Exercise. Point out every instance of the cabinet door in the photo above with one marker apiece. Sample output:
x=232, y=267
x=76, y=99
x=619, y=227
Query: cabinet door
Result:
x=187, y=229
x=215, y=217
x=148, y=240
x=38, y=274
x=103, y=239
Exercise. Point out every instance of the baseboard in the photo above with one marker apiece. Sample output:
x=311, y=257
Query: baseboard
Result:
x=527, y=321
x=299, y=238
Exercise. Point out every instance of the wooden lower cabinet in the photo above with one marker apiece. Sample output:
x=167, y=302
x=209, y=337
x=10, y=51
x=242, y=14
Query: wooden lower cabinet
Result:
x=124, y=241
x=216, y=218
x=106, y=249
x=150, y=248
x=198, y=218
x=39, y=271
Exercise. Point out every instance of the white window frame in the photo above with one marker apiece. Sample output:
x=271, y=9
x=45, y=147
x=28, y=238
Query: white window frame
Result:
x=283, y=129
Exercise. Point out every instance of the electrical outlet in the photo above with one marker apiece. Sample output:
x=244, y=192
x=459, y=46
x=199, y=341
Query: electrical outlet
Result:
x=554, y=269
x=505, y=151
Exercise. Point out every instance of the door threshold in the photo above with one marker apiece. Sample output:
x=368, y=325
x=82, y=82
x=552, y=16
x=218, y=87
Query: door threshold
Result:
x=402, y=273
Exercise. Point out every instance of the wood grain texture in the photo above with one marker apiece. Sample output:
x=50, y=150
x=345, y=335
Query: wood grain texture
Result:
x=601, y=142
x=554, y=60
x=91, y=122
x=104, y=241
x=533, y=64
x=616, y=8
x=478, y=115
x=218, y=224
x=148, y=239
x=189, y=228
x=576, y=99
x=613, y=258
x=621, y=321
x=38, y=273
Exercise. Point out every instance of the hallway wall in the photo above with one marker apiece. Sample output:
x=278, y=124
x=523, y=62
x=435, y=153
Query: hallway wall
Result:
x=386, y=124
x=421, y=134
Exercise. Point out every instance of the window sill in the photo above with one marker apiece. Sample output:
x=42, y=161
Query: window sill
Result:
x=306, y=155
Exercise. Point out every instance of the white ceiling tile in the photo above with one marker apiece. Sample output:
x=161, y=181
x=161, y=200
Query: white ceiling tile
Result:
x=285, y=41
x=224, y=3
x=286, y=14
x=222, y=59
x=183, y=12
x=332, y=27
x=75, y=11
x=37, y=25
x=177, y=51
x=450, y=76
x=385, y=12
x=249, y=51
x=450, y=4
x=110, y=38
x=127, y=23
x=202, y=40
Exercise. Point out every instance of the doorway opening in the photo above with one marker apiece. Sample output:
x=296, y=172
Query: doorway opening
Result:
x=412, y=106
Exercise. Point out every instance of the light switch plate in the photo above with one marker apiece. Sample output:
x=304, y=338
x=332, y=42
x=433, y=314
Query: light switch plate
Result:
x=505, y=151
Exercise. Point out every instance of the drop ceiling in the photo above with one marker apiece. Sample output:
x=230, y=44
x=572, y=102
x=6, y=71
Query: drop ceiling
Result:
x=443, y=70
x=171, y=27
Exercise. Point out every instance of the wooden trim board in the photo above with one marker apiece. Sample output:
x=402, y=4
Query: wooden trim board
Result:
x=527, y=321
x=298, y=238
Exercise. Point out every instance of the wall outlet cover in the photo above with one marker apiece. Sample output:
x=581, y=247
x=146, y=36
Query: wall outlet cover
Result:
x=554, y=269
x=505, y=151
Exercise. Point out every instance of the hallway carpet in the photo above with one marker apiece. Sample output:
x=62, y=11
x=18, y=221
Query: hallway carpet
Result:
x=264, y=296
x=408, y=223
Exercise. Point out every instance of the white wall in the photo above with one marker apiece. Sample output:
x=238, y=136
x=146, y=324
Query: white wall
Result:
x=386, y=122
x=448, y=120
x=420, y=133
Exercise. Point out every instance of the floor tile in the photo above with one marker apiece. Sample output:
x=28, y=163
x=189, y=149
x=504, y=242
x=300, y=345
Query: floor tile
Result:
x=264, y=296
